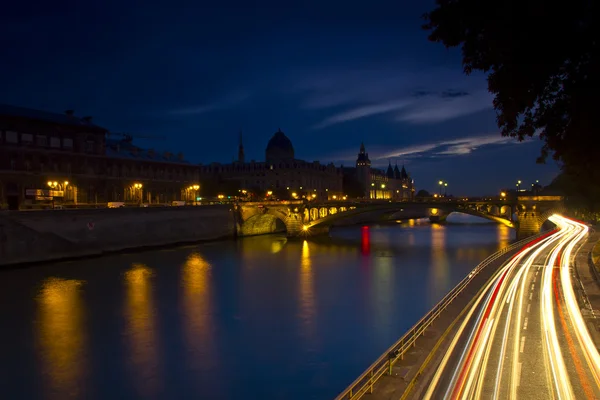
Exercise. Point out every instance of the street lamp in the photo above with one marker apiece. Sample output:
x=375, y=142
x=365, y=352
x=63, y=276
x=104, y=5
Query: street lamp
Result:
x=445, y=188
x=383, y=185
x=503, y=195
x=196, y=187
x=518, y=186
x=441, y=183
x=138, y=187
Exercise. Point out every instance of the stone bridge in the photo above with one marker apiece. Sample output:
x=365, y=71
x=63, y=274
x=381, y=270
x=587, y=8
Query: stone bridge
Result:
x=525, y=213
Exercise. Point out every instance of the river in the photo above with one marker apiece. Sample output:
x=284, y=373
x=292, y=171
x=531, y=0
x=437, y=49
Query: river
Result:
x=260, y=317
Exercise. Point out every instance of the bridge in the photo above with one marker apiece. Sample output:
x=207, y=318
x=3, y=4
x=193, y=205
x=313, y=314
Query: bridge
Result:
x=526, y=214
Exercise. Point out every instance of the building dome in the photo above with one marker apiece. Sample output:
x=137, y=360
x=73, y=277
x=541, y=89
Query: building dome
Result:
x=279, y=148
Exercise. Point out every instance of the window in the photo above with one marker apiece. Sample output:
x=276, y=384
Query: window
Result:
x=26, y=138
x=89, y=146
x=55, y=142
x=12, y=137
x=42, y=140
x=68, y=143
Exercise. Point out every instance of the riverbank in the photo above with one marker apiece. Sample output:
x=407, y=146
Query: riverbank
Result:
x=44, y=236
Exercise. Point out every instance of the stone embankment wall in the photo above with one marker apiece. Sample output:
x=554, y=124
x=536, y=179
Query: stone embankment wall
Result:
x=36, y=236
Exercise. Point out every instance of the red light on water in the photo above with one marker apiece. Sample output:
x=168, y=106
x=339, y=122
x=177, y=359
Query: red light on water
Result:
x=365, y=242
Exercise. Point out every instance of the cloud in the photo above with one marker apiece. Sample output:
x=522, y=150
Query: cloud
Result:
x=410, y=95
x=224, y=103
x=448, y=105
x=454, y=147
x=361, y=112
x=448, y=148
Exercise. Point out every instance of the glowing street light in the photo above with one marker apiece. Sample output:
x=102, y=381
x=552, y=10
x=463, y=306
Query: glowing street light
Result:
x=294, y=194
x=445, y=188
x=334, y=197
x=270, y=192
x=383, y=185
x=503, y=194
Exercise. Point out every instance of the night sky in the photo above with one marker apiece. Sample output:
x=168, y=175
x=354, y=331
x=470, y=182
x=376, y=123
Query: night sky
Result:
x=329, y=74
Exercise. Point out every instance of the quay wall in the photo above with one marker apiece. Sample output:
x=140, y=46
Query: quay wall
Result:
x=38, y=236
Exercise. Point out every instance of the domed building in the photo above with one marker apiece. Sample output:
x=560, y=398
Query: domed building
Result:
x=280, y=173
x=279, y=148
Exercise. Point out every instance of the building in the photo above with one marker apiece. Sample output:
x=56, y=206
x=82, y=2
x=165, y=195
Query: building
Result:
x=50, y=158
x=393, y=184
x=281, y=174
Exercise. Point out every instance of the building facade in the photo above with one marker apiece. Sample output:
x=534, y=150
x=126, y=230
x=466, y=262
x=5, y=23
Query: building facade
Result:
x=281, y=172
x=49, y=158
x=393, y=184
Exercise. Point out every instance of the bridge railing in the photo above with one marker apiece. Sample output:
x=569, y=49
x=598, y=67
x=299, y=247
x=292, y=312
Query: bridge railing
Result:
x=365, y=382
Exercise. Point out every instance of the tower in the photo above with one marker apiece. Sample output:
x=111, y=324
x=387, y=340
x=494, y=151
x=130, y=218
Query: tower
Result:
x=363, y=169
x=241, y=158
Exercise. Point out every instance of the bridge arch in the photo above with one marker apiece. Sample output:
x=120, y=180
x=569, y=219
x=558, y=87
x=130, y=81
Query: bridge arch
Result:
x=261, y=224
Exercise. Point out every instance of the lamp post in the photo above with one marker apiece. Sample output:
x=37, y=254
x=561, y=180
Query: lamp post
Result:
x=196, y=187
x=518, y=186
x=445, y=188
x=138, y=187
x=441, y=183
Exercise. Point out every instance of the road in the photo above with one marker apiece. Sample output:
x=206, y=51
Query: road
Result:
x=524, y=336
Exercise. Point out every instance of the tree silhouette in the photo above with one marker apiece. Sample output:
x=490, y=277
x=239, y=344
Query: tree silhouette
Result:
x=423, y=193
x=542, y=62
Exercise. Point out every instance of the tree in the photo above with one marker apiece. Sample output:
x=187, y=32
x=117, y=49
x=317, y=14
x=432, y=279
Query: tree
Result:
x=423, y=193
x=542, y=62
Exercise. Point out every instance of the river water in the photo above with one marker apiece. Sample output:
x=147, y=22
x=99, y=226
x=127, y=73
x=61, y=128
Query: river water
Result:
x=261, y=317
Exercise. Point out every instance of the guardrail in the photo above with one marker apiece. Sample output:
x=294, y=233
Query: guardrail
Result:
x=365, y=382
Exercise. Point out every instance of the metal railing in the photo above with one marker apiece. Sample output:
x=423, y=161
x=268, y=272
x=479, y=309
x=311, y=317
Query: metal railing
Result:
x=365, y=382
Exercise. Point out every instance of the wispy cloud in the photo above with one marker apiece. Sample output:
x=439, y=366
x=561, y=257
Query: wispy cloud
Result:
x=361, y=112
x=454, y=147
x=416, y=97
x=447, y=148
x=224, y=103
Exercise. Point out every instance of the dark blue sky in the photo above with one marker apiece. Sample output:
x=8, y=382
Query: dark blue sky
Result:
x=330, y=74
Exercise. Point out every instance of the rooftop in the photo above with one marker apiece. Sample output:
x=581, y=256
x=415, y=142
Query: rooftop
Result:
x=63, y=118
x=120, y=148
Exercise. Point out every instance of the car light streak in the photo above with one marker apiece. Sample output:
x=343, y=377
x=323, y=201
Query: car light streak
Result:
x=495, y=320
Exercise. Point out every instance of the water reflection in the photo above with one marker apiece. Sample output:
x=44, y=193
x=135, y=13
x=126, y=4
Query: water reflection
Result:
x=504, y=236
x=307, y=292
x=439, y=258
x=197, y=307
x=141, y=330
x=365, y=241
x=62, y=338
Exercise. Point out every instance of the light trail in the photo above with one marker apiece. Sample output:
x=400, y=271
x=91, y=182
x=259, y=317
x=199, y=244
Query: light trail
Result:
x=495, y=326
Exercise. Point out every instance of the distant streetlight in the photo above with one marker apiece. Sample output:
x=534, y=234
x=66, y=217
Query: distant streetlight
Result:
x=518, y=186
x=445, y=188
x=441, y=183
x=270, y=192
x=334, y=197
x=383, y=185
x=503, y=194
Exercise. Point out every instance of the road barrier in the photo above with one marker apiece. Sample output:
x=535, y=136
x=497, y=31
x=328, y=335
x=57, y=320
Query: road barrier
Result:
x=365, y=382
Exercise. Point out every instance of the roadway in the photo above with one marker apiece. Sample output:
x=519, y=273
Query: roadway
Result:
x=524, y=336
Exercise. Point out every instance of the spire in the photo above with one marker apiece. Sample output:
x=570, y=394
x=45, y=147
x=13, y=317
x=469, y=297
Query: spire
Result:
x=241, y=158
x=397, y=174
x=390, y=171
x=403, y=173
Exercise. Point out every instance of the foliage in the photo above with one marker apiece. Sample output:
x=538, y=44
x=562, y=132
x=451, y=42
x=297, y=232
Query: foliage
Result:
x=423, y=193
x=352, y=187
x=541, y=58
